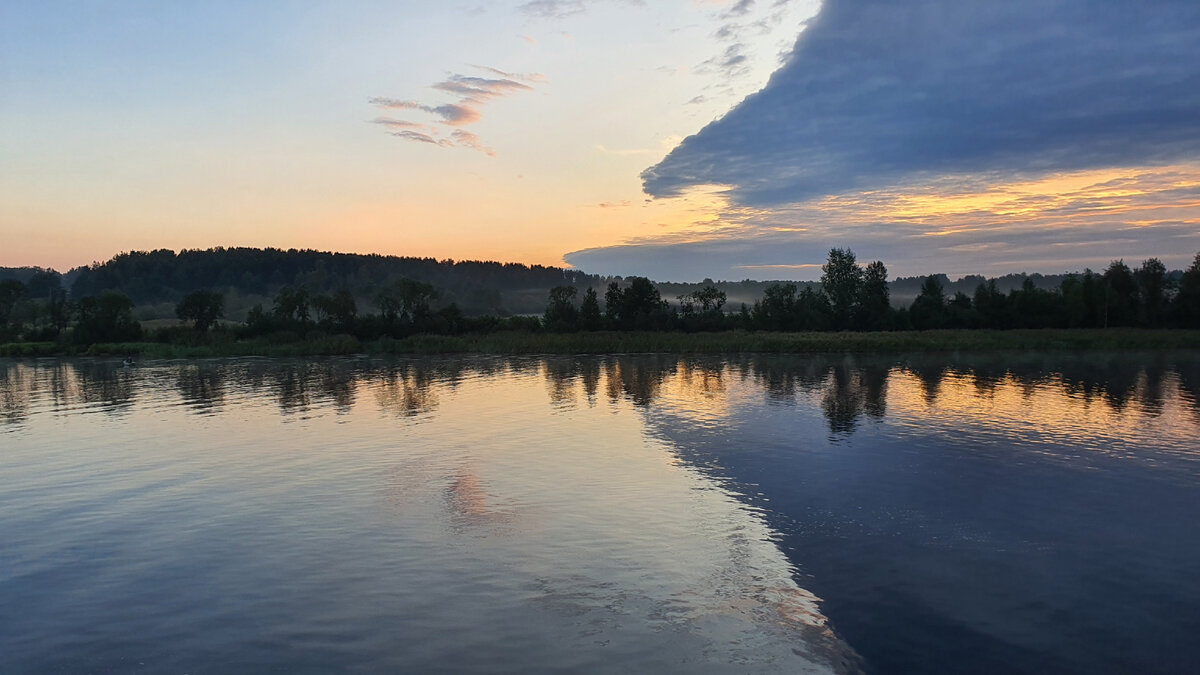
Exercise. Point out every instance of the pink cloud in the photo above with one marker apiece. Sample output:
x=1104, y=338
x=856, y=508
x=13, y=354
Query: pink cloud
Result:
x=472, y=93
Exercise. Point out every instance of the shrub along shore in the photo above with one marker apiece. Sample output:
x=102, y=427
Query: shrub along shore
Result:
x=616, y=342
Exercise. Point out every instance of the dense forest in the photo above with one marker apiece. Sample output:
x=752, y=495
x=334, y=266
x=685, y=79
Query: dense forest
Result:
x=848, y=297
x=247, y=276
x=156, y=280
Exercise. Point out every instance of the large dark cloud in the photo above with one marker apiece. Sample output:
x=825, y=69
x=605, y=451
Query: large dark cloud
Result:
x=883, y=92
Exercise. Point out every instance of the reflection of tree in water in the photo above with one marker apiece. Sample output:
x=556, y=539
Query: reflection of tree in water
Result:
x=987, y=375
x=930, y=375
x=639, y=379
x=706, y=378
x=14, y=393
x=110, y=385
x=298, y=385
x=852, y=391
x=202, y=387
x=21, y=383
x=1189, y=384
x=1120, y=383
x=782, y=378
x=524, y=366
x=560, y=379
x=589, y=372
x=291, y=388
x=406, y=390
x=874, y=381
x=1151, y=395
x=336, y=382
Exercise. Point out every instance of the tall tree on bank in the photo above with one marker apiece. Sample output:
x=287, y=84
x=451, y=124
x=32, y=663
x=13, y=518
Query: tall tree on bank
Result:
x=929, y=309
x=589, y=311
x=636, y=307
x=1120, y=295
x=1187, y=303
x=842, y=280
x=202, y=308
x=1152, y=285
x=561, y=314
x=107, y=317
x=991, y=306
x=874, y=298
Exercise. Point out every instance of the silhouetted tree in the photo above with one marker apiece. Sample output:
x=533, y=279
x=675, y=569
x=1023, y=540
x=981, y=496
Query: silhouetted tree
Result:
x=1120, y=295
x=11, y=292
x=43, y=284
x=710, y=298
x=960, y=313
x=589, y=311
x=292, y=305
x=339, y=309
x=406, y=300
x=561, y=314
x=636, y=307
x=1036, y=307
x=928, y=310
x=1187, y=302
x=1152, y=284
x=1083, y=300
x=107, y=317
x=702, y=309
x=874, y=301
x=202, y=308
x=841, y=280
x=812, y=310
x=777, y=309
x=991, y=306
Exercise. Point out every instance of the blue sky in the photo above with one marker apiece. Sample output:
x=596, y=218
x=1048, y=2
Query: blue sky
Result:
x=679, y=140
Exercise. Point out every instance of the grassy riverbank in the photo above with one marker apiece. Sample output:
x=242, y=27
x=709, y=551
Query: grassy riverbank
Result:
x=608, y=342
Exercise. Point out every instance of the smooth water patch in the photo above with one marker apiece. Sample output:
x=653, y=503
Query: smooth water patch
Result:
x=347, y=515
x=997, y=513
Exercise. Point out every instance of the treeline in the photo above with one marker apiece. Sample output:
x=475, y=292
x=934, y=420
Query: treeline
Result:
x=849, y=296
x=156, y=280
x=164, y=276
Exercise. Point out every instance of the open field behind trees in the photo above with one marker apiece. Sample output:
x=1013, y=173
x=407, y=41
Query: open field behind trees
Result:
x=849, y=309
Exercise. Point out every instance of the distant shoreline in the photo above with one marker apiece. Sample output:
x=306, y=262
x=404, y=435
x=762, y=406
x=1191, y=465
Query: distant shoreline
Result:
x=616, y=342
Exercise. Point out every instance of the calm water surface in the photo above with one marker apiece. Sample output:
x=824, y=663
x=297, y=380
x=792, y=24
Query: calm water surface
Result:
x=1027, y=513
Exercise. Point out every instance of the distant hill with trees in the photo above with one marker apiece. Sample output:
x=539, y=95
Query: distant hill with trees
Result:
x=21, y=274
x=249, y=276
x=156, y=281
x=317, y=299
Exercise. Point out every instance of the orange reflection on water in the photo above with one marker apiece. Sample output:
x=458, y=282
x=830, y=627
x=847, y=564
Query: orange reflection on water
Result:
x=1106, y=417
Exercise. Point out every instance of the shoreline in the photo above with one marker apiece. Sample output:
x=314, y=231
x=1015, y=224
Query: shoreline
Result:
x=614, y=342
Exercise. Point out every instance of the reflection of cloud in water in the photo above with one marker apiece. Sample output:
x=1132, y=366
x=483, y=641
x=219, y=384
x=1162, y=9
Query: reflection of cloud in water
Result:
x=471, y=506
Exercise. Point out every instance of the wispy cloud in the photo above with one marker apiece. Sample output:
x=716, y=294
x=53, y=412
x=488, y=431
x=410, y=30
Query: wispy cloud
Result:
x=740, y=8
x=472, y=92
x=561, y=9
x=469, y=140
x=553, y=9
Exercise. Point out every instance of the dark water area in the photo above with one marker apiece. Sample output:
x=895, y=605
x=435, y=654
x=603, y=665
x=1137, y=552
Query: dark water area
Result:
x=983, y=514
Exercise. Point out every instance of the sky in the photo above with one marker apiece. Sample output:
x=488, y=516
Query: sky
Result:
x=676, y=139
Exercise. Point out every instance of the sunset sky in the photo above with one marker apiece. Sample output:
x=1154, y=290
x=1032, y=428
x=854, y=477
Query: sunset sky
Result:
x=678, y=139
